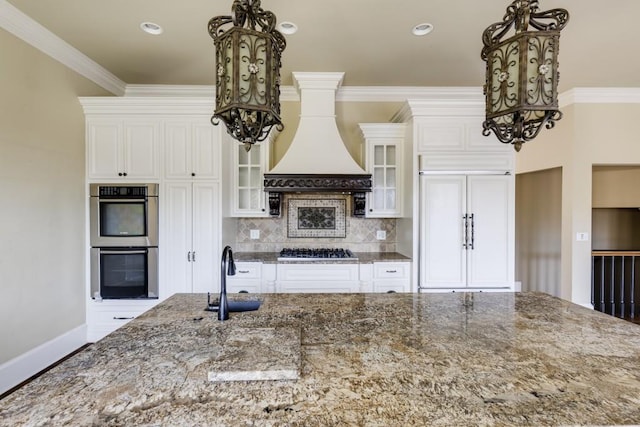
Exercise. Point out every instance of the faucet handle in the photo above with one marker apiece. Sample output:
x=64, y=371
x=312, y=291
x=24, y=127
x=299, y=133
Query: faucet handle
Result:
x=231, y=269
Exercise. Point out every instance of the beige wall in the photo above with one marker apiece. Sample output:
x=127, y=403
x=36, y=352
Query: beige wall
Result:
x=616, y=187
x=600, y=134
x=538, y=230
x=42, y=287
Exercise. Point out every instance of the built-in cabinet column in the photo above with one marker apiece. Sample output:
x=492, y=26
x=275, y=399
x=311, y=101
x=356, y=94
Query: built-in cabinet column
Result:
x=172, y=142
x=461, y=226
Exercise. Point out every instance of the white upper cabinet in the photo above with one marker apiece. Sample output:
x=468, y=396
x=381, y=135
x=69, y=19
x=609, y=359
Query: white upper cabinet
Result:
x=453, y=134
x=247, y=185
x=384, y=159
x=125, y=149
x=192, y=149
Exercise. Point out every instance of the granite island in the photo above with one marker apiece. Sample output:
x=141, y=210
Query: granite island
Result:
x=363, y=359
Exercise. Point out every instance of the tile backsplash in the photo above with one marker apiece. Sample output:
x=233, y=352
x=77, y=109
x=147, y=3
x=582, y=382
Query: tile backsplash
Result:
x=360, y=232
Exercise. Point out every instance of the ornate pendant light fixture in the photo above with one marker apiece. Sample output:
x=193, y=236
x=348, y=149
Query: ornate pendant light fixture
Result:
x=247, y=71
x=521, y=86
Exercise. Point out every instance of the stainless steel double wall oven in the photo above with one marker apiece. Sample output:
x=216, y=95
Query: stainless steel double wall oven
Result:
x=124, y=240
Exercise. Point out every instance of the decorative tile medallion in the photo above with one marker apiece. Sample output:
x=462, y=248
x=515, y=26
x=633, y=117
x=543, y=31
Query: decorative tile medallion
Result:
x=316, y=218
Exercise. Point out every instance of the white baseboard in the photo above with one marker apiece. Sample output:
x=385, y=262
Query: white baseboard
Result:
x=30, y=363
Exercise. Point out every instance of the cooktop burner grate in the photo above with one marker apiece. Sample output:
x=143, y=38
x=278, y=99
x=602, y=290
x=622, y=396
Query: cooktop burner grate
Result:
x=322, y=254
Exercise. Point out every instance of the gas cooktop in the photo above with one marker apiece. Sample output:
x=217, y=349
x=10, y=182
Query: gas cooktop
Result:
x=304, y=254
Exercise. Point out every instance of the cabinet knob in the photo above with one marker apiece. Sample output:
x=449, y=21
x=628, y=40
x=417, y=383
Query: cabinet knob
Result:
x=193, y=174
x=120, y=174
x=124, y=174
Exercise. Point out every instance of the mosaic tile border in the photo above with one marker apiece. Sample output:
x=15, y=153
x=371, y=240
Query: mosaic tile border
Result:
x=316, y=218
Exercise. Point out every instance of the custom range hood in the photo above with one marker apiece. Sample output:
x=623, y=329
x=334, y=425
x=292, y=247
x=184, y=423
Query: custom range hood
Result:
x=317, y=160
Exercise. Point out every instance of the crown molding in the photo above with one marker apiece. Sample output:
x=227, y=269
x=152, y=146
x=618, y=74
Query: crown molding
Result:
x=180, y=91
x=147, y=105
x=344, y=94
x=427, y=99
x=600, y=95
x=25, y=28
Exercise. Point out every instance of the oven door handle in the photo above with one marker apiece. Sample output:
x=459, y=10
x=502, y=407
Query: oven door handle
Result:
x=125, y=252
x=123, y=200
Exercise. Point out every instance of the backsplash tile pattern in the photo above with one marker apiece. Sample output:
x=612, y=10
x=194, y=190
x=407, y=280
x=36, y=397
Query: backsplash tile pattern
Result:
x=360, y=233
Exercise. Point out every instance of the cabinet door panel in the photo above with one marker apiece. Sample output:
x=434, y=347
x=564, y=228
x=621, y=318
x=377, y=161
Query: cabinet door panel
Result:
x=205, y=237
x=104, y=149
x=490, y=202
x=248, y=196
x=141, y=150
x=206, y=152
x=442, y=234
x=178, y=154
x=176, y=245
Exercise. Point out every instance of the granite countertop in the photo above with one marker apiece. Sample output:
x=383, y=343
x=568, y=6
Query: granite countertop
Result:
x=363, y=258
x=364, y=360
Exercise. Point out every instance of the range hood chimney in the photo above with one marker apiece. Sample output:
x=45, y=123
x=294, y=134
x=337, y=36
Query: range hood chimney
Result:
x=317, y=160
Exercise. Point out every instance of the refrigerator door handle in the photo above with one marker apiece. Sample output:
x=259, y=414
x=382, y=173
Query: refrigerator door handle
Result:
x=465, y=245
x=473, y=232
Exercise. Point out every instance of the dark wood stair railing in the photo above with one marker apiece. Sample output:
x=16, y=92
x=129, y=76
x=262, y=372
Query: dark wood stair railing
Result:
x=614, y=283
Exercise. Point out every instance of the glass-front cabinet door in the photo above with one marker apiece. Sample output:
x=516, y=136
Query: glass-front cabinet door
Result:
x=248, y=191
x=383, y=157
x=384, y=182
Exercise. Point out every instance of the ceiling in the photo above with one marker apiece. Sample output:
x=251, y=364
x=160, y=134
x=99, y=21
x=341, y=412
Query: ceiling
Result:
x=370, y=40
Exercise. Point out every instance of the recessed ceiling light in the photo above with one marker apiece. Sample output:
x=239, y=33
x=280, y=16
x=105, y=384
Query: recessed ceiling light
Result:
x=151, y=28
x=422, y=29
x=287, y=27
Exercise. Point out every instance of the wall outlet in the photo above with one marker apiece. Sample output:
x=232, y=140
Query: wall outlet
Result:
x=254, y=234
x=381, y=234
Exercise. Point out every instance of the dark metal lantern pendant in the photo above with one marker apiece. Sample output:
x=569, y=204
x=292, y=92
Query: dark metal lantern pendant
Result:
x=521, y=87
x=248, y=62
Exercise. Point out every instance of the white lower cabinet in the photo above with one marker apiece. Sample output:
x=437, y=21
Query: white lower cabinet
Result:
x=248, y=278
x=317, y=278
x=104, y=317
x=391, y=277
x=191, y=240
x=258, y=277
x=385, y=277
